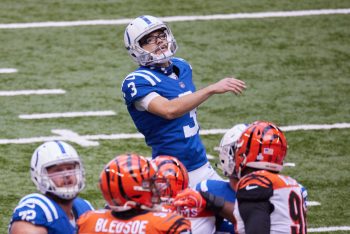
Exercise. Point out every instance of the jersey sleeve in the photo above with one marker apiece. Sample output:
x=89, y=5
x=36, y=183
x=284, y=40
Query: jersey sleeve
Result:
x=254, y=192
x=36, y=209
x=254, y=187
x=138, y=84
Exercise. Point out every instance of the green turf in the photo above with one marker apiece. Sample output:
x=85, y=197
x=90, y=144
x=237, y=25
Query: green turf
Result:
x=296, y=69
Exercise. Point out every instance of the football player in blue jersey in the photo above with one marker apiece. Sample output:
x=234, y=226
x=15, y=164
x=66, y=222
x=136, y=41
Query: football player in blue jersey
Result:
x=57, y=171
x=162, y=99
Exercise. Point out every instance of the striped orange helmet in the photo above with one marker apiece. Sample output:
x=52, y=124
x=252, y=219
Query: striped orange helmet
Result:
x=172, y=176
x=127, y=182
x=263, y=146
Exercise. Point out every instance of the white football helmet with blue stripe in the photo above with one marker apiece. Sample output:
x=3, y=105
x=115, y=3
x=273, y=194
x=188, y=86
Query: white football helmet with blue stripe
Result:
x=55, y=153
x=140, y=27
x=227, y=148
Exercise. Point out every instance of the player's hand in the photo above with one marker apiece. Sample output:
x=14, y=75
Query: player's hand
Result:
x=229, y=84
x=189, y=198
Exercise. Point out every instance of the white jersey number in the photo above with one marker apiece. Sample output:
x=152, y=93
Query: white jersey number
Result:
x=132, y=86
x=191, y=131
x=27, y=215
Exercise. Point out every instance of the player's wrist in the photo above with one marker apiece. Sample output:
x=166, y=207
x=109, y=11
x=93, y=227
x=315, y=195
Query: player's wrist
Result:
x=213, y=203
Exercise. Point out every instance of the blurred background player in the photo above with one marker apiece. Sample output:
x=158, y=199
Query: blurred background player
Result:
x=58, y=173
x=161, y=97
x=172, y=178
x=225, y=189
x=128, y=185
x=218, y=196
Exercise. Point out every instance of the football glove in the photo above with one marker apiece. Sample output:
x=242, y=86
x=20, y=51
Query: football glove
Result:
x=200, y=200
x=189, y=198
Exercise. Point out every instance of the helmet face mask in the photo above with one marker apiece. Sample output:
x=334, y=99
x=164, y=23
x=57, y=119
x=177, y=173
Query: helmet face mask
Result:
x=261, y=146
x=137, y=30
x=57, y=169
x=227, y=148
x=171, y=178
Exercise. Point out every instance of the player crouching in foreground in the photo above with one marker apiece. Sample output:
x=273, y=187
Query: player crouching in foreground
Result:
x=128, y=184
x=172, y=178
x=266, y=201
x=58, y=174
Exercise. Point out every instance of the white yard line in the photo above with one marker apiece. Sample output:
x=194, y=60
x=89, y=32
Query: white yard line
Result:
x=8, y=70
x=288, y=128
x=74, y=137
x=329, y=229
x=32, y=92
x=139, y=135
x=312, y=203
x=67, y=115
x=255, y=15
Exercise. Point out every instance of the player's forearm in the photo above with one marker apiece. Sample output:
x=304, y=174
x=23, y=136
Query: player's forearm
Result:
x=227, y=211
x=184, y=104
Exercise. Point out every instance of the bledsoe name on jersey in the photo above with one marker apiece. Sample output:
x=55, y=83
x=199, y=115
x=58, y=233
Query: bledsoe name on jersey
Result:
x=115, y=226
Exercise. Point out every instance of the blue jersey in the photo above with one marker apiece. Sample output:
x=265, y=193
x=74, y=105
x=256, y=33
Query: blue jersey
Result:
x=220, y=189
x=178, y=137
x=43, y=211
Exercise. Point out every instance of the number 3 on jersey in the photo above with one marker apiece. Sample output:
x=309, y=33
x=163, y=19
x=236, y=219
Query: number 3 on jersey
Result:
x=188, y=130
x=132, y=86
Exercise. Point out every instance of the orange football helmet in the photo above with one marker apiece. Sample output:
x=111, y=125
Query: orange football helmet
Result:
x=127, y=182
x=263, y=146
x=172, y=176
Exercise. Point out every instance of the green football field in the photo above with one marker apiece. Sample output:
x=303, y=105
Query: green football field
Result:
x=296, y=65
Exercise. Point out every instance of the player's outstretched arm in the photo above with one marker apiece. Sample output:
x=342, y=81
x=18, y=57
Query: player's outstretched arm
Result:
x=170, y=109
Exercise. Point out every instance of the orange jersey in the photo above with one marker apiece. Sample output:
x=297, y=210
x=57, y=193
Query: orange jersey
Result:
x=282, y=192
x=103, y=221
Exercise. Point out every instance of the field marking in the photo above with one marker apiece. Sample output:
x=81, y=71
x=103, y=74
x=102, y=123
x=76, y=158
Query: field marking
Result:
x=8, y=70
x=312, y=203
x=67, y=115
x=329, y=229
x=288, y=128
x=210, y=157
x=289, y=164
x=74, y=137
x=139, y=135
x=256, y=15
x=31, y=92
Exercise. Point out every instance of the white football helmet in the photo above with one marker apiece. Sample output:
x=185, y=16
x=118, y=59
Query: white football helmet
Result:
x=54, y=153
x=227, y=148
x=140, y=27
